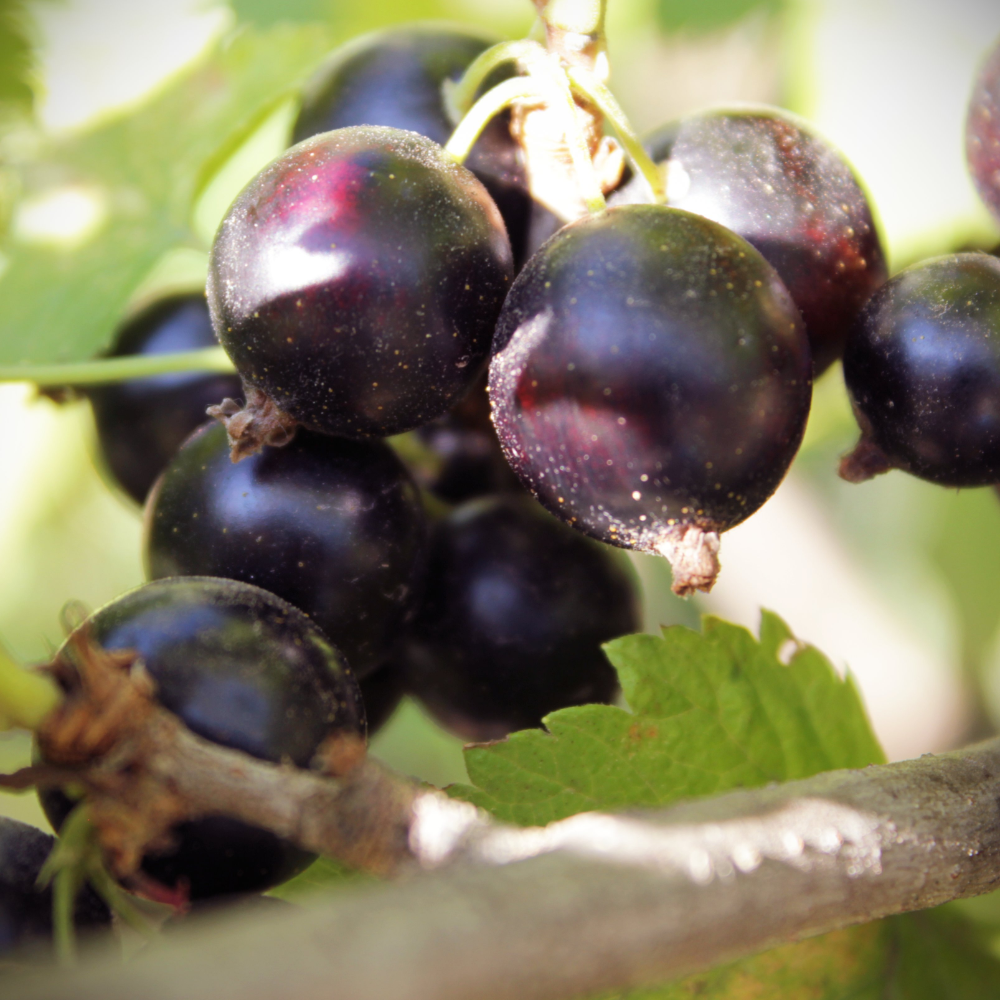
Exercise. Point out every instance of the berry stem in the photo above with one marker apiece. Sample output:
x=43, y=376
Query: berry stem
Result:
x=495, y=100
x=459, y=96
x=98, y=371
x=586, y=83
x=26, y=698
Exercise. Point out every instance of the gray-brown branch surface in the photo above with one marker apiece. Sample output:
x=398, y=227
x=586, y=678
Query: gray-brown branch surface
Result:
x=595, y=902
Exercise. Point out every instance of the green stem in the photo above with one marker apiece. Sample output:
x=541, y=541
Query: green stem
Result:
x=461, y=95
x=65, y=887
x=117, y=899
x=26, y=698
x=103, y=370
x=586, y=84
x=576, y=141
x=490, y=104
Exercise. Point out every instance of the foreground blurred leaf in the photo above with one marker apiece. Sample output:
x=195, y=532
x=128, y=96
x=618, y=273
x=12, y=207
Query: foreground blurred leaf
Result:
x=128, y=185
x=710, y=712
x=919, y=956
x=700, y=16
x=16, y=57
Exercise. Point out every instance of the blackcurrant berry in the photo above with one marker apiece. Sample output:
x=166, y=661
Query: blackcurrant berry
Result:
x=244, y=669
x=516, y=609
x=463, y=456
x=333, y=526
x=982, y=132
x=770, y=179
x=26, y=909
x=650, y=382
x=922, y=368
x=356, y=281
x=142, y=422
x=394, y=78
x=382, y=691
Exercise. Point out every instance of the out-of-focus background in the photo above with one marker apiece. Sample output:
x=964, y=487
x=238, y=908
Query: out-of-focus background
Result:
x=896, y=580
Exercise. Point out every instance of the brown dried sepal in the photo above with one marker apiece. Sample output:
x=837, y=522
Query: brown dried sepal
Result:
x=693, y=554
x=339, y=754
x=866, y=461
x=253, y=425
x=102, y=737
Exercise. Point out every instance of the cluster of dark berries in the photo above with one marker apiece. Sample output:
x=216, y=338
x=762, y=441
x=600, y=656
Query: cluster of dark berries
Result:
x=650, y=370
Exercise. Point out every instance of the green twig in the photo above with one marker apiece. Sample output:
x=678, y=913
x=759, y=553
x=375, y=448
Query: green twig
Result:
x=103, y=370
x=117, y=899
x=490, y=104
x=586, y=84
x=66, y=869
x=460, y=95
x=26, y=698
x=582, y=17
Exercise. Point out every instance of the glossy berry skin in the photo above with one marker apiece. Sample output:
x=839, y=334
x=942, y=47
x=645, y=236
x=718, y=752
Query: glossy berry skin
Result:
x=394, y=78
x=334, y=527
x=246, y=670
x=766, y=176
x=649, y=372
x=357, y=279
x=511, y=627
x=923, y=371
x=142, y=422
x=982, y=132
x=26, y=909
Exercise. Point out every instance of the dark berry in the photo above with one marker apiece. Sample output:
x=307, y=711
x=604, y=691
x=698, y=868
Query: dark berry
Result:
x=462, y=458
x=394, y=78
x=516, y=609
x=768, y=178
x=982, y=132
x=244, y=669
x=650, y=382
x=333, y=526
x=141, y=423
x=356, y=281
x=923, y=371
x=26, y=909
x=382, y=691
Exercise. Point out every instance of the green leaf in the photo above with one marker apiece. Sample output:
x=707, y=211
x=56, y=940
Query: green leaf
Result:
x=136, y=178
x=934, y=955
x=323, y=873
x=17, y=60
x=710, y=712
x=701, y=16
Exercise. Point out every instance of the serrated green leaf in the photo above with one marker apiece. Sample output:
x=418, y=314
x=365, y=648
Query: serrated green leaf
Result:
x=700, y=16
x=710, y=712
x=141, y=171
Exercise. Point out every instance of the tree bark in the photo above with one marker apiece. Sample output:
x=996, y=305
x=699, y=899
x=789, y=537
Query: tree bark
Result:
x=597, y=901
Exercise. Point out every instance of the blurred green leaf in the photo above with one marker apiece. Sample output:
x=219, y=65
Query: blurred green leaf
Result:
x=933, y=955
x=710, y=712
x=17, y=60
x=132, y=182
x=701, y=16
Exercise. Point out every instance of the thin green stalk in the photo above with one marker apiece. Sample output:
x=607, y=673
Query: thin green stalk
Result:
x=489, y=105
x=98, y=371
x=586, y=84
x=26, y=698
x=460, y=95
x=579, y=151
x=66, y=885
x=117, y=899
